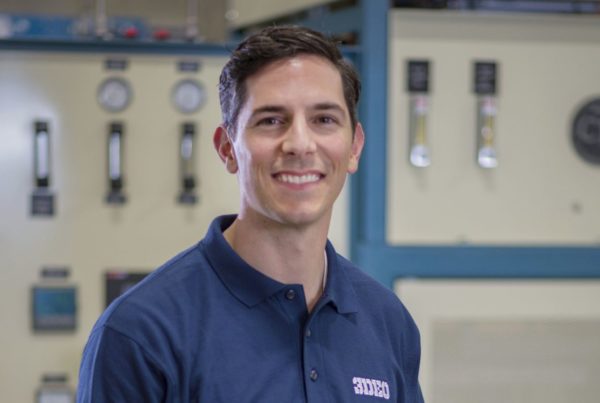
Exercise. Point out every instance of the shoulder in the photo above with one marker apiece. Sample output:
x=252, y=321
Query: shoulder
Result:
x=376, y=299
x=161, y=298
x=367, y=287
x=382, y=311
x=147, y=329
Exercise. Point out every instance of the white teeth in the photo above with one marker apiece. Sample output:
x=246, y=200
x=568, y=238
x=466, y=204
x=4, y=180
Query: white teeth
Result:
x=298, y=179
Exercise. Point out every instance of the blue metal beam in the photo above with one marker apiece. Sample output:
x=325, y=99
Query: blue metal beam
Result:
x=387, y=263
x=368, y=186
x=116, y=46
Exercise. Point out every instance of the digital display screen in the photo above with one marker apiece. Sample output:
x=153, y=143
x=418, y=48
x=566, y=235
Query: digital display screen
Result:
x=54, y=308
x=118, y=282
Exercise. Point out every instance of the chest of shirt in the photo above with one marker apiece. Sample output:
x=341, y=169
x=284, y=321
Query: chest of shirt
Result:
x=276, y=352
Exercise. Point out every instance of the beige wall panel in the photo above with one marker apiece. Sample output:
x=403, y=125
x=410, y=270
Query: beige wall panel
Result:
x=542, y=192
x=434, y=302
x=243, y=12
x=86, y=234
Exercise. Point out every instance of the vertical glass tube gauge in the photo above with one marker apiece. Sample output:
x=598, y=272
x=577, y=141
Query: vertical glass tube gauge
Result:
x=191, y=20
x=485, y=89
x=186, y=164
x=115, y=164
x=42, y=155
x=101, y=20
x=42, y=199
x=418, y=88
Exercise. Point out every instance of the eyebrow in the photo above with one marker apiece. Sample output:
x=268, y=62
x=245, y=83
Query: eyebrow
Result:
x=268, y=109
x=322, y=106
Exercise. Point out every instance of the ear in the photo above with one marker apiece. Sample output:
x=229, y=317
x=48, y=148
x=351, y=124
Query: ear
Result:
x=224, y=146
x=358, y=141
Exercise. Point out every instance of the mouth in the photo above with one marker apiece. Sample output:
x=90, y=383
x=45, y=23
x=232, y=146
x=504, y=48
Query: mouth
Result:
x=298, y=179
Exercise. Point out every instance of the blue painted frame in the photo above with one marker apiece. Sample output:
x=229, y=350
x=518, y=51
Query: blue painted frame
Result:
x=116, y=46
x=386, y=263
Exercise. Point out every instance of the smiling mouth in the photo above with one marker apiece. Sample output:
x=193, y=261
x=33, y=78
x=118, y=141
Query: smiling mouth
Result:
x=298, y=179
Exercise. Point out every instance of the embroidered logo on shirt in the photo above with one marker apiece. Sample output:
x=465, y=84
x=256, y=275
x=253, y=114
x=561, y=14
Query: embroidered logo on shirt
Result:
x=371, y=387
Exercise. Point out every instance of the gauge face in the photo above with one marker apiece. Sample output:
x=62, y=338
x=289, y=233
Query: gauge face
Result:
x=188, y=96
x=586, y=132
x=114, y=94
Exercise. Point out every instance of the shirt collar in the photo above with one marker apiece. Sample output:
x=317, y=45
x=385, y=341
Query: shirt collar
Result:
x=252, y=287
x=339, y=290
x=245, y=282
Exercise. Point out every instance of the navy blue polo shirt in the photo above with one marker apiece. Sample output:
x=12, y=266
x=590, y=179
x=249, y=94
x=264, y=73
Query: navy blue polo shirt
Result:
x=207, y=327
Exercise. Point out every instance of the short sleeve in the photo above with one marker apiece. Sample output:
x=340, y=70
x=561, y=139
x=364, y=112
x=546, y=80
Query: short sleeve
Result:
x=114, y=368
x=412, y=360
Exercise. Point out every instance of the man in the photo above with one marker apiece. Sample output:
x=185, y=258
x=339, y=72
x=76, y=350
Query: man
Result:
x=263, y=309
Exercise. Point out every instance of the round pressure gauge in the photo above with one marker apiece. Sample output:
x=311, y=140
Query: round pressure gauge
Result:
x=586, y=132
x=188, y=96
x=114, y=94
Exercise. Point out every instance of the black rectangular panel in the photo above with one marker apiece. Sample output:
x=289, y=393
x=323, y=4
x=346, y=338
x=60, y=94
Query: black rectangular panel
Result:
x=418, y=76
x=118, y=282
x=485, y=75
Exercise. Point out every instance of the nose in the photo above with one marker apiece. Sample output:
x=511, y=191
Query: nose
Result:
x=299, y=139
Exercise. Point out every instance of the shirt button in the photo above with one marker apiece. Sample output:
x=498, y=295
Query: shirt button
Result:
x=290, y=294
x=314, y=375
x=308, y=333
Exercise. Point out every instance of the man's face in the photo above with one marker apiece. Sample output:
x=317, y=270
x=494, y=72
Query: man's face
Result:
x=293, y=144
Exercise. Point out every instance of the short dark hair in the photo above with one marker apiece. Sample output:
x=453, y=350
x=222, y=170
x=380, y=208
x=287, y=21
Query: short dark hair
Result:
x=277, y=43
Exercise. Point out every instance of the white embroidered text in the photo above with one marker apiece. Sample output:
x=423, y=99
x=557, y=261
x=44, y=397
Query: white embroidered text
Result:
x=371, y=387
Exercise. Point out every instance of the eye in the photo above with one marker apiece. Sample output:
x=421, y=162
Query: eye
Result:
x=326, y=120
x=269, y=121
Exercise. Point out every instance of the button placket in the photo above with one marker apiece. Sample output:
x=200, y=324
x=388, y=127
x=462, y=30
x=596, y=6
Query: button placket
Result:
x=314, y=376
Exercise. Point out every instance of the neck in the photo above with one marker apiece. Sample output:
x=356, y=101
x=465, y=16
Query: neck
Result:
x=288, y=254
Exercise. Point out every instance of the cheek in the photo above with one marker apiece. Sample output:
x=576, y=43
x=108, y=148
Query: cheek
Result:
x=339, y=154
x=252, y=164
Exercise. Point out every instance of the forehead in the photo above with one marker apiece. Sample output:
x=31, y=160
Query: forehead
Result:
x=302, y=77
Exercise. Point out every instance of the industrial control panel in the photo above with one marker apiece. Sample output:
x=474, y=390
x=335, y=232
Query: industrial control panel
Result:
x=493, y=142
x=109, y=170
x=493, y=129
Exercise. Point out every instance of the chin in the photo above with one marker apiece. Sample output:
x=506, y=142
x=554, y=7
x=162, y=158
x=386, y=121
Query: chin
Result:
x=301, y=218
